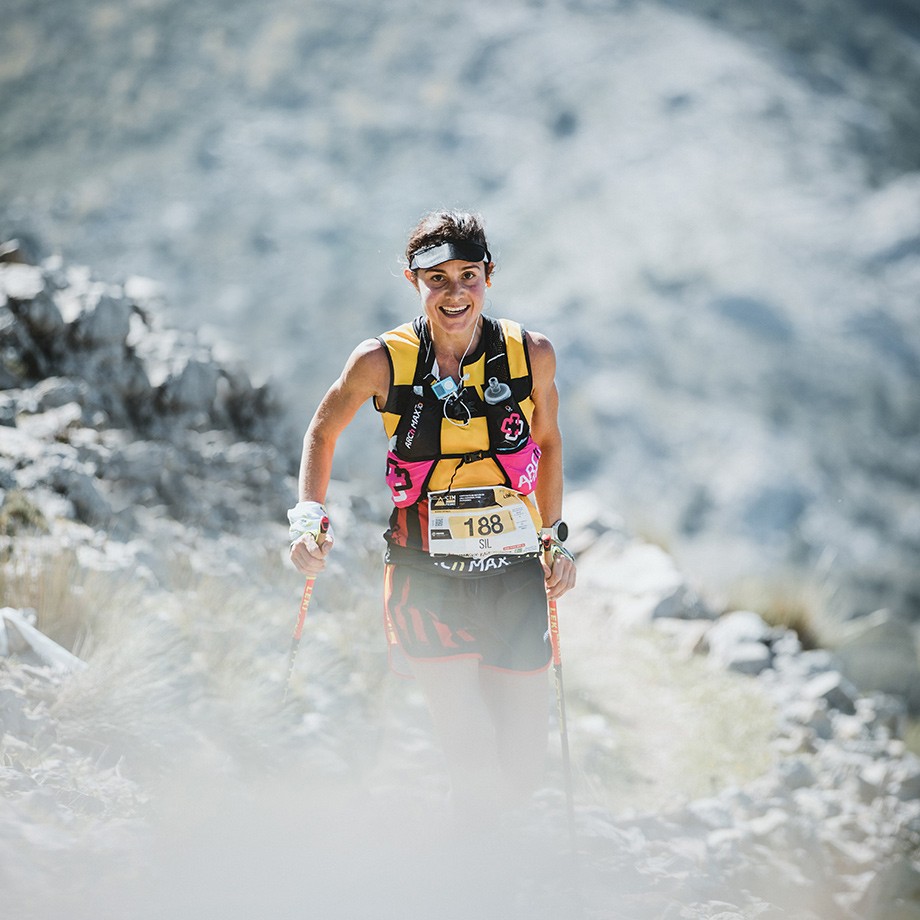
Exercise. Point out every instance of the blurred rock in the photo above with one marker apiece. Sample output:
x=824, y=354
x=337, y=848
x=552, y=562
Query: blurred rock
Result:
x=641, y=582
x=905, y=778
x=879, y=652
x=810, y=713
x=15, y=251
x=797, y=774
x=104, y=320
x=124, y=403
x=740, y=641
x=20, y=282
x=834, y=689
x=23, y=639
x=893, y=891
x=190, y=389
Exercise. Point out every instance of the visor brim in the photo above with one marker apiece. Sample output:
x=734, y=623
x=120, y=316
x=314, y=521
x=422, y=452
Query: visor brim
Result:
x=448, y=252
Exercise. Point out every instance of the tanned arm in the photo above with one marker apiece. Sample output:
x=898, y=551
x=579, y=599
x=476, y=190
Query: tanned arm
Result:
x=366, y=376
x=545, y=430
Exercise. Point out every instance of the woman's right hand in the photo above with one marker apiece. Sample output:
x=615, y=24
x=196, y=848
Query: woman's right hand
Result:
x=311, y=537
x=308, y=556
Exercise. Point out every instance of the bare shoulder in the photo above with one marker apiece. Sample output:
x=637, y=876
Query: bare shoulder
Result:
x=370, y=352
x=542, y=354
x=368, y=368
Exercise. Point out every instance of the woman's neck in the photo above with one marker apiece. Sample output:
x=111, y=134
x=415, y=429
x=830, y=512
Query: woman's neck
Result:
x=450, y=351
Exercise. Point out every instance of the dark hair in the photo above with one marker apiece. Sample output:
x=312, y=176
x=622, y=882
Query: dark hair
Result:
x=438, y=227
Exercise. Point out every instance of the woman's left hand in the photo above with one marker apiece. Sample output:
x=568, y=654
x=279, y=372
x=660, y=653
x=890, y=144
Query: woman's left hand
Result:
x=558, y=572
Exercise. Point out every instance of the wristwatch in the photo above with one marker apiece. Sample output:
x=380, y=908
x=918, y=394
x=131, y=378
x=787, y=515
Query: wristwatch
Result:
x=558, y=532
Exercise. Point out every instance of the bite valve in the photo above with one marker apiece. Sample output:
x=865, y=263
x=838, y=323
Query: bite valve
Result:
x=496, y=391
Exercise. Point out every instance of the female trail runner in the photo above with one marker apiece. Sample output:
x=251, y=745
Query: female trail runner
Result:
x=474, y=466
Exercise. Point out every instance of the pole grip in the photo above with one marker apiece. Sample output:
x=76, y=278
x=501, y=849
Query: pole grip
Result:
x=554, y=634
x=304, y=604
x=308, y=586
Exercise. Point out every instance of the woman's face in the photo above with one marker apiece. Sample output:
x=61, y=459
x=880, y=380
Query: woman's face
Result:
x=452, y=294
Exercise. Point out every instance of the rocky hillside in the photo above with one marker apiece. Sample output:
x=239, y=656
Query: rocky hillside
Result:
x=149, y=767
x=710, y=207
x=108, y=419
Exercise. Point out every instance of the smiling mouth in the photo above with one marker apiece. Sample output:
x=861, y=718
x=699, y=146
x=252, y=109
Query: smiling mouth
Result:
x=454, y=311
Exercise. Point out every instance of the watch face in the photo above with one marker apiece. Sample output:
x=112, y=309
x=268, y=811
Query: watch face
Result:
x=562, y=531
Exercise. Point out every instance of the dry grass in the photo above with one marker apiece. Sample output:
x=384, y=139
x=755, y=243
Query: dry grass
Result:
x=654, y=728
x=19, y=515
x=194, y=666
x=73, y=605
x=196, y=669
x=786, y=602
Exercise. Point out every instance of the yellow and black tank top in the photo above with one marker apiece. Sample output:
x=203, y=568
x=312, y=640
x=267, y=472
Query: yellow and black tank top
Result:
x=477, y=436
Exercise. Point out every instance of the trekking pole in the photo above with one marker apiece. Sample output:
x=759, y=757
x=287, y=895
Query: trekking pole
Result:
x=560, y=710
x=578, y=907
x=563, y=725
x=302, y=615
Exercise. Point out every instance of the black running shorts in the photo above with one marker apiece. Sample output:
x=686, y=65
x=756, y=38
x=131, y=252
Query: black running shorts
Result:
x=500, y=619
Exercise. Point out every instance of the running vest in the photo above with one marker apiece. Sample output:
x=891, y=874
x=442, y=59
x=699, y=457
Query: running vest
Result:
x=429, y=452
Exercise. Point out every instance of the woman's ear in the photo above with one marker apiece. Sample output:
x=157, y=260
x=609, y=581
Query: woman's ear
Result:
x=411, y=277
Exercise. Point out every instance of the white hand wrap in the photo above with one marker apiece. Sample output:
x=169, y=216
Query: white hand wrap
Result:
x=307, y=518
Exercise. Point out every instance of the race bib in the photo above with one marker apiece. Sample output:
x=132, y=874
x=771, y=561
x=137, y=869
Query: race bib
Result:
x=478, y=522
